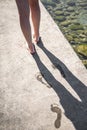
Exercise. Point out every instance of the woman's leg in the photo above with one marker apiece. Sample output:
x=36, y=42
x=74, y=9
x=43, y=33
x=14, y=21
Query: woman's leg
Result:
x=35, y=15
x=24, y=13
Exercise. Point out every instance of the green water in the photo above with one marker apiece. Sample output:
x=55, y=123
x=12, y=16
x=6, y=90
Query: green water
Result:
x=71, y=17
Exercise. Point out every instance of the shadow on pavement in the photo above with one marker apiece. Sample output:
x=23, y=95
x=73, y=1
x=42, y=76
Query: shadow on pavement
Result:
x=75, y=110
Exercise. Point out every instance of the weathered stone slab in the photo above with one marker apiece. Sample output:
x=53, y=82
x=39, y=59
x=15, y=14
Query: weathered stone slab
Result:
x=34, y=90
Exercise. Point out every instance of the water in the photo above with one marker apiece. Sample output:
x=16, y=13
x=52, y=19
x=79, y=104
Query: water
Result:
x=71, y=17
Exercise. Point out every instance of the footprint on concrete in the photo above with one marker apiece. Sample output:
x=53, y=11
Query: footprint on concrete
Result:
x=39, y=77
x=55, y=108
x=56, y=65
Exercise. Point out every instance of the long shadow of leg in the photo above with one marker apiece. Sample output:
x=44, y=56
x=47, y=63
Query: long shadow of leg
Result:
x=75, y=83
x=73, y=108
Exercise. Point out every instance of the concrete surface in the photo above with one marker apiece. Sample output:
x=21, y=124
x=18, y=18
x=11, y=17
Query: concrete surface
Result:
x=44, y=91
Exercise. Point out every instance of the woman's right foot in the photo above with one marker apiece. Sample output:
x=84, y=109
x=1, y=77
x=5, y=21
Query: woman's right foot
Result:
x=32, y=49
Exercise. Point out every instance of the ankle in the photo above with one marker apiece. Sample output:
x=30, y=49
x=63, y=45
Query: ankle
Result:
x=36, y=37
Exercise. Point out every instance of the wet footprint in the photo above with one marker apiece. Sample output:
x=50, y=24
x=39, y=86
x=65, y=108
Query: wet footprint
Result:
x=55, y=108
x=39, y=77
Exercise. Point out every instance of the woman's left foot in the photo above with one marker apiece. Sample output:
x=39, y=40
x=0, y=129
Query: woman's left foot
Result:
x=36, y=39
x=32, y=49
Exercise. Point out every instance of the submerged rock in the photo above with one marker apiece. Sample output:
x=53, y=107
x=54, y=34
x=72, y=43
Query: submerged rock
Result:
x=49, y=2
x=71, y=3
x=83, y=4
x=60, y=18
x=76, y=27
x=65, y=23
x=70, y=9
x=66, y=13
x=69, y=38
x=82, y=48
x=59, y=13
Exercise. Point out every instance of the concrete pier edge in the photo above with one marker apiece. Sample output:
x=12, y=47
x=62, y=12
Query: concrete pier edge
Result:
x=47, y=91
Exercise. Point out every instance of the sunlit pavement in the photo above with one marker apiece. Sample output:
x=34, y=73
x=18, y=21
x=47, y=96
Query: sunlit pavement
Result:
x=46, y=91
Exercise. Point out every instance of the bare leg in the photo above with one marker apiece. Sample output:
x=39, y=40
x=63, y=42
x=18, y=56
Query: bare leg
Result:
x=24, y=13
x=35, y=15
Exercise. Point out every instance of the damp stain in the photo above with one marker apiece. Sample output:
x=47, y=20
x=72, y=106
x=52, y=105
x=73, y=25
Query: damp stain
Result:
x=7, y=121
x=40, y=77
x=57, y=66
x=1, y=115
x=57, y=110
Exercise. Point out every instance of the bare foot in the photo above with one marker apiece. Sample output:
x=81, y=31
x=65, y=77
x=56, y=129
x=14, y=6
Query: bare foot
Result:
x=31, y=49
x=36, y=39
x=55, y=108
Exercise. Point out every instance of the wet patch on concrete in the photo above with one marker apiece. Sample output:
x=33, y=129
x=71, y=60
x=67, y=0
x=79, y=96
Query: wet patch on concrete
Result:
x=55, y=108
x=1, y=115
x=9, y=122
x=40, y=78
